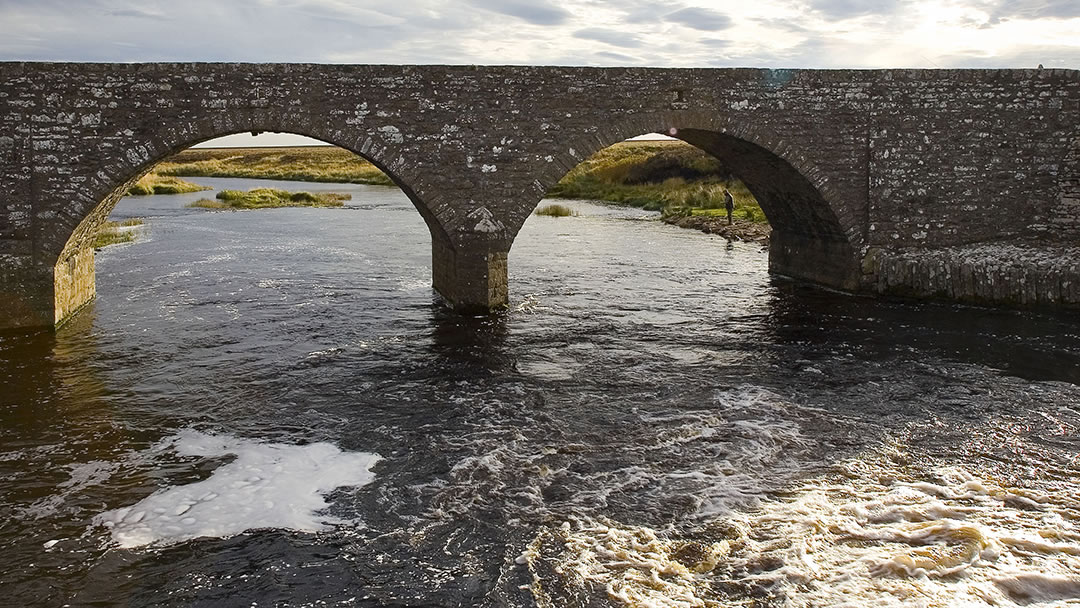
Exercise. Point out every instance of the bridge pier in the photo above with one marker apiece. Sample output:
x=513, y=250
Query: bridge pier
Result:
x=74, y=285
x=816, y=260
x=472, y=279
x=38, y=296
x=26, y=297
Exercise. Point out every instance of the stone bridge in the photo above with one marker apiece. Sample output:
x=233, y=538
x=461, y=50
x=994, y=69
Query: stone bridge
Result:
x=963, y=184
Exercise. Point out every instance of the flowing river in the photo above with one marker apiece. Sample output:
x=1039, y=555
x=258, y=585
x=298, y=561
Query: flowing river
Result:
x=272, y=408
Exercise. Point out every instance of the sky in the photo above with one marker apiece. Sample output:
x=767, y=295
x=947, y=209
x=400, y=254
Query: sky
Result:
x=660, y=33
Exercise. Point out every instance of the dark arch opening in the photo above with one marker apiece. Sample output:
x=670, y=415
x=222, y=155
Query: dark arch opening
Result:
x=808, y=241
x=816, y=233
x=74, y=271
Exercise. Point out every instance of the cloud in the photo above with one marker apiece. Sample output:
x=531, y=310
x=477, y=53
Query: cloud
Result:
x=769, y=33
x=612, y=37
x=716, y=43
x=135, y=14
x=644, y=11
x=1033, y=9
x=345, y=13
x=1030, y=57
x=785, y=25
x=619, y=58
x=536, y=12
x=700, y=19
x=836, y=10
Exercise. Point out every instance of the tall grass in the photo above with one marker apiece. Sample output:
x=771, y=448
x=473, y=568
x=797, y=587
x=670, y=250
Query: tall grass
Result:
x=555, y=210
x=262, y=198
x=657, y=176
x=154, y=183
x=303, y=164
x=649, y=174
x=113, y=233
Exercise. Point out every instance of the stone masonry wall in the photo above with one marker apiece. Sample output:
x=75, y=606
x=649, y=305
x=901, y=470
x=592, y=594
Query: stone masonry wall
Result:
x=844, y=161
x=966, y=156
x=1065, y=218
x=73, y=282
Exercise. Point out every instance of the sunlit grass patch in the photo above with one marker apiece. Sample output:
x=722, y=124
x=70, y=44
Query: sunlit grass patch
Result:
x=657, y=175
x=153, y=183
x=205, y=203
x=555, y=210
x=263, y=198
x=114, y=233
x=303, y=164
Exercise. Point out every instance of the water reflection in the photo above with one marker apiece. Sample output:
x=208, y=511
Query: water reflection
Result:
x=1031, y=345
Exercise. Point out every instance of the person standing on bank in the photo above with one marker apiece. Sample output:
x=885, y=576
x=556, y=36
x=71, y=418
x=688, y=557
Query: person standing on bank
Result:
x=729, y=205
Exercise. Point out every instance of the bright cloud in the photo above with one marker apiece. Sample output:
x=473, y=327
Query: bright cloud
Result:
x=690, y=33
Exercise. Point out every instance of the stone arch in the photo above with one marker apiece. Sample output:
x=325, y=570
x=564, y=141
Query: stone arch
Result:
x=108, y=183
x=66, y=244
x=815, y=235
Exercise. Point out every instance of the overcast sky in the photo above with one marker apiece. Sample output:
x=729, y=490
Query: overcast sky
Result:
x=690, y=33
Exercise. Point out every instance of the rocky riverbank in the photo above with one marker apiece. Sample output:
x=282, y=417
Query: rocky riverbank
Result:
x=740, y=230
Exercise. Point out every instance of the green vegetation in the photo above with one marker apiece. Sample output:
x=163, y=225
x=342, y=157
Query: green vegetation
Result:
x=752, y=214
x=555, y=211
x=153, y=183
x=303, y=164
x=112, y=233
x=262, y=198
x=655, y=175
x=658, y=175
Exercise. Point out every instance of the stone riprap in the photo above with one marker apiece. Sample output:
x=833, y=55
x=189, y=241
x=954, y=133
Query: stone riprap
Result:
x=870, y=178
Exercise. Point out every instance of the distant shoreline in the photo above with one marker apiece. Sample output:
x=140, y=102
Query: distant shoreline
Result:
x=656, y=174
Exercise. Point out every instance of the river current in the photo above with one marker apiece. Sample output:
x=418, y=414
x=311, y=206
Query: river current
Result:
x=272, y=408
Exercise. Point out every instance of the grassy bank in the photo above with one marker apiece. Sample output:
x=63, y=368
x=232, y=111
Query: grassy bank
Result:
x=264, y=198
x=113, y=233
x=658, y=175
x=654, y=175
x=154, y=183
x=302, y=164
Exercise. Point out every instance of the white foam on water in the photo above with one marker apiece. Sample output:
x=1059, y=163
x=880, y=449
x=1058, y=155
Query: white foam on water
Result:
x=875, y=534
x=635, y=565
x=268, y=485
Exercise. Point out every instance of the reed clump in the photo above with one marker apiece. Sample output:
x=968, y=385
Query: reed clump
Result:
x=155, y=183
x=263, y=198
x=555, y=210
x=113, y=233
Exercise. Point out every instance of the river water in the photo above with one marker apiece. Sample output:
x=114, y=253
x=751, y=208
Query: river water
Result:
x=272, y=408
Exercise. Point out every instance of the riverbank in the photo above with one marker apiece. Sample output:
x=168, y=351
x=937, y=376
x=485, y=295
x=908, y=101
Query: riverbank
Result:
x=653, y=175
x=656, y=175
x=739, y=230
x=324, y=164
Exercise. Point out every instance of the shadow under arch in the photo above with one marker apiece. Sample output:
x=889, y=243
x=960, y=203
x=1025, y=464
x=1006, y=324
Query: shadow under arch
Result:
x=71, y=237
x=816, y=235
